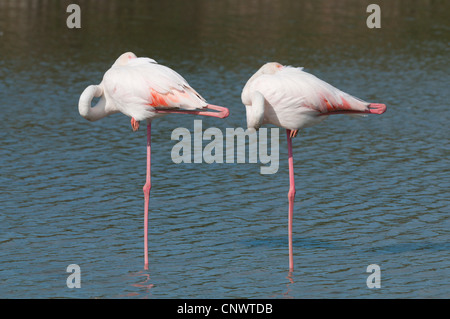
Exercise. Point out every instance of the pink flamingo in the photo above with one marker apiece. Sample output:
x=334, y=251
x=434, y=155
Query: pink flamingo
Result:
x=293, y=99
x=143, y=90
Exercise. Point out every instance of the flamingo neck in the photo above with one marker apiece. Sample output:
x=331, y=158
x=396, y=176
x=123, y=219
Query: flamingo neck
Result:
x=255, y=111
x=96, y=112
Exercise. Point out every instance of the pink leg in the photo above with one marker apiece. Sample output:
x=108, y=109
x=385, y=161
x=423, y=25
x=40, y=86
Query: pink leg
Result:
x=147, y=187
x=291, y=197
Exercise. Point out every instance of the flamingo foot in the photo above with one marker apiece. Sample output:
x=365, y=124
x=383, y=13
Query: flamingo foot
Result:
x=293, y=133
x=134, y=124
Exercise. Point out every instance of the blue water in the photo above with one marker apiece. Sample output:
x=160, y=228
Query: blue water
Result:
x=369, y=191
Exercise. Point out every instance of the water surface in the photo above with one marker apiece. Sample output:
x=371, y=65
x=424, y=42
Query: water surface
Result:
x=369, y=191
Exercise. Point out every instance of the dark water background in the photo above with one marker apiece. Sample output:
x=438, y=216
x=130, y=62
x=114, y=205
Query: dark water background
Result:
x=369, y=191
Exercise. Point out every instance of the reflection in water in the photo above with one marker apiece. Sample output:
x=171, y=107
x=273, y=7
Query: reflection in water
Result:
x=288, y=285
x=287, y=294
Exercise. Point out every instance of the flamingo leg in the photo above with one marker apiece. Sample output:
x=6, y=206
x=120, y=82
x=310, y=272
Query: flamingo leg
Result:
x=146, y=189
x=291, y=197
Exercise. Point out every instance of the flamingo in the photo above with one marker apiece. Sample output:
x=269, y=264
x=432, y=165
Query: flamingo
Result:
x=143, y=90
x=293, y=99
